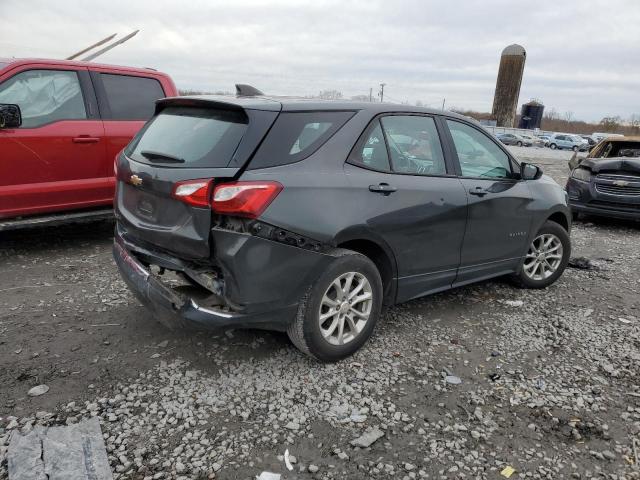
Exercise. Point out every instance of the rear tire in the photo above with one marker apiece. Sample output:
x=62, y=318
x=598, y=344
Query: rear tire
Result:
x=546, y=258
x=519, y=144
x=553, y=146
x=575, y=149
x=349, y=290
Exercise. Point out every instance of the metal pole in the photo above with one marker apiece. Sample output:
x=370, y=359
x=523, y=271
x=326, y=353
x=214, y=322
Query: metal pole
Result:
x=371, y=94
x=382, y=92
x=109, y=47
x=97, y=44
x=443, y=100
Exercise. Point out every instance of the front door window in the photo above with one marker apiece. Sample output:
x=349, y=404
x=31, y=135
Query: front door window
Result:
x=45, y=96
x=479, y=156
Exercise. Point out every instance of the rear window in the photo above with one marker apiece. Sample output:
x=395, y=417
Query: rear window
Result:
x=131, y=98
x=296, y=135
x=189, y=137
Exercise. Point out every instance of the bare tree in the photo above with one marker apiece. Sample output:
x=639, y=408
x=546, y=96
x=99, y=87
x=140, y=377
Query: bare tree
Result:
x=568, y=116
x=330, y=95
x=552, y=114
x=610, y=124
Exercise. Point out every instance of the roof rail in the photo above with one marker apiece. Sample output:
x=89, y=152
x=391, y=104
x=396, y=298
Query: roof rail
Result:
x=243, y=90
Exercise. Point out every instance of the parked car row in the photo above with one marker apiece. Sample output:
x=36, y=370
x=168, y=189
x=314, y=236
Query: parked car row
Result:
x=554, y=141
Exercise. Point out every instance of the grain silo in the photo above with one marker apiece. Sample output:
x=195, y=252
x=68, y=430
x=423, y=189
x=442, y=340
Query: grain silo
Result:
x=505, y=100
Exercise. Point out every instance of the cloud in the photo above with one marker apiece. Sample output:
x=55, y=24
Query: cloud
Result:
x=580, y=58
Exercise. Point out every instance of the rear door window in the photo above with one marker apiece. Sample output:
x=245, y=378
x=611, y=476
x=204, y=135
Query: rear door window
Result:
x=296, y=135
x=414, y=145
x=129, y=97
x=45, y=96
x=189, y=137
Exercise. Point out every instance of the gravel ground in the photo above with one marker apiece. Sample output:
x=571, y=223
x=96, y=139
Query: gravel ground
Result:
x=548, y=379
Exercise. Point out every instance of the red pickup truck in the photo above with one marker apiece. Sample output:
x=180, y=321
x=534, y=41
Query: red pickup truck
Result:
x=75, y=118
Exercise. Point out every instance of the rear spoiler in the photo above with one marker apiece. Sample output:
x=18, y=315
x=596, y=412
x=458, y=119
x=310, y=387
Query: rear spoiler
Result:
x=222, y=102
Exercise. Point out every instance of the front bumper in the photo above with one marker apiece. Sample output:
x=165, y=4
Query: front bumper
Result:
x=585, y=198
x=258, y=296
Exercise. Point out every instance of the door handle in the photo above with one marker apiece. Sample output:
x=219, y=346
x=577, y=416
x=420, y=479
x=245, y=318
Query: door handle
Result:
x=85, y=139
x=383, y=188
x=478, y=191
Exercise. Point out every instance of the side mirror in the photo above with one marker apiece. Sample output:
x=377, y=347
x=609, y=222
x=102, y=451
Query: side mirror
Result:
x=10, y=116
x=528, y=171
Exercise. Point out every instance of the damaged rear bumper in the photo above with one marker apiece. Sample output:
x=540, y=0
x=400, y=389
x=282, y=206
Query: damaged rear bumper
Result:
x=264, y=282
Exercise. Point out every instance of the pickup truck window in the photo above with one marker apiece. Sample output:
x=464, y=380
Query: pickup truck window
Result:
x=45, y=96
x=131, y=98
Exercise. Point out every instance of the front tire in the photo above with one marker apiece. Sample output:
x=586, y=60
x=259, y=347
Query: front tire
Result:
x=519, y=144
x=553, y=146
x=575, y=149
x=339, y=312
x=546, y=258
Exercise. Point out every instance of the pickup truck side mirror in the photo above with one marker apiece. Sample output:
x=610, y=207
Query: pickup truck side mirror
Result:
x=10, y=116
x=528, y=171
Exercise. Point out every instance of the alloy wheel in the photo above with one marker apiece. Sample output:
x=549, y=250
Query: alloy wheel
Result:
x=544, y=257
x=345, y=308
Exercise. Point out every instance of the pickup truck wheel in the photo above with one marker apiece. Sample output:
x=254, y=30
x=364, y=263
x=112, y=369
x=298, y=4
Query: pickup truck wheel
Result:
x=546, y=258
x=340, y=310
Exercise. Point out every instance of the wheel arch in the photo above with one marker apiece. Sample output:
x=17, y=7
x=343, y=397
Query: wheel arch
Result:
x=365, y=242
x=561, y=218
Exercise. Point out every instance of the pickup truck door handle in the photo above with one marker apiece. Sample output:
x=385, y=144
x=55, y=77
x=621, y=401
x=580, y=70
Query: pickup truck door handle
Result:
x=383, y=188
x=86, y=139
x=478, y=191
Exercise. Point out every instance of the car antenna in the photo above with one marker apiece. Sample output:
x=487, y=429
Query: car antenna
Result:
x=243, y=90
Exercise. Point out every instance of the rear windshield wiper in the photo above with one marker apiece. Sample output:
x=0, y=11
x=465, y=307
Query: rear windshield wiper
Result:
x=160, y=157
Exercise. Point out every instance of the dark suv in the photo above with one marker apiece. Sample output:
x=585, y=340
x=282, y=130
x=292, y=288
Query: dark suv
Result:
x=308, y=217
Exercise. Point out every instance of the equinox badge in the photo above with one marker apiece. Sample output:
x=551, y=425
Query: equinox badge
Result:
x=135, y=180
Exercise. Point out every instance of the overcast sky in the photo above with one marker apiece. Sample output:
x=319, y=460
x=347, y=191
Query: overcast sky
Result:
x=582, y=55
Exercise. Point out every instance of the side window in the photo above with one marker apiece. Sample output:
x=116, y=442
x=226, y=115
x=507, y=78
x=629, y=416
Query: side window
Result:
x=131, y=98
x=479, y=156
x=414, y=145
x=371, y=151
x=45, y=96
x=296, y=135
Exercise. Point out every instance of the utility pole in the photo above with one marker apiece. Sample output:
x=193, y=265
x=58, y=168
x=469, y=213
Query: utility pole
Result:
x=443, y=100
x=371, y=94
x=382, y=92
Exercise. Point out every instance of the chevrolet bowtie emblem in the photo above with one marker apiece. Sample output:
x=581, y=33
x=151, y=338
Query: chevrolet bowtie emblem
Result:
x=135, y=180
x=621, y=183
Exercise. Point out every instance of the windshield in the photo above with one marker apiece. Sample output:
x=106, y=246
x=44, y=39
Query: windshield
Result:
x=189, y=137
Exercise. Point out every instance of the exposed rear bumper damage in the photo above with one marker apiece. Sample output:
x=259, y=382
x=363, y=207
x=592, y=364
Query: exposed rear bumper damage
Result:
x=247, y=296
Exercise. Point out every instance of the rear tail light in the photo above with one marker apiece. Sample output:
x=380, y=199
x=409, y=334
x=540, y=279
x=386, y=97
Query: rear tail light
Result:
x=196, y=193
x=244, y=199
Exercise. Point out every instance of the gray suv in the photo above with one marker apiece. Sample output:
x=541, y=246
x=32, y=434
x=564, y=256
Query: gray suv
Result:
x=308, y=217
